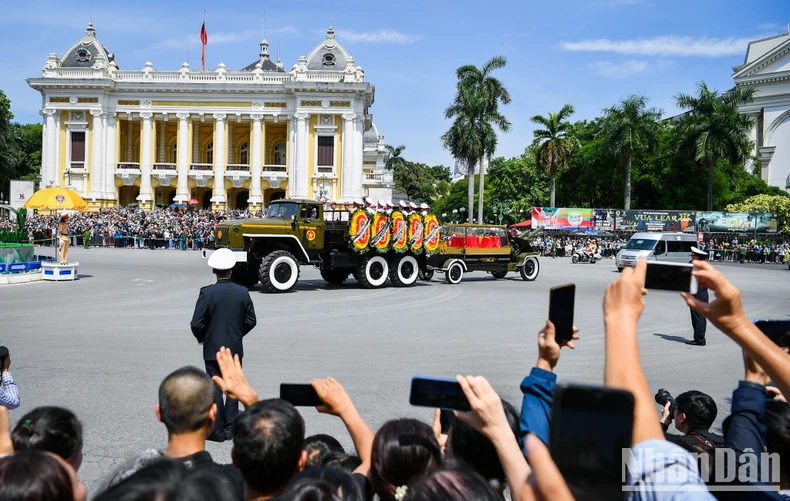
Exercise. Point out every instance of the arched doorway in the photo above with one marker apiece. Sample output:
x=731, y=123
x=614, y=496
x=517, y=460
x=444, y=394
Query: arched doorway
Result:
x=272, y=194
x=127, y=195
x=242, y=198
x=206, y=200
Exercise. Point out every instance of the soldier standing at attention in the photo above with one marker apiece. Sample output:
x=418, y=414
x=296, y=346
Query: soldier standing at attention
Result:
x=224, y=314
x=698, y=322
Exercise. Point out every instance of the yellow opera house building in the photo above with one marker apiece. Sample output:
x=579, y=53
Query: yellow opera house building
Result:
x=228, y=139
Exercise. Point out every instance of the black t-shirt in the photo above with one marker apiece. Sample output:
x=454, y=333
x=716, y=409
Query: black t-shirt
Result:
x=202, y=460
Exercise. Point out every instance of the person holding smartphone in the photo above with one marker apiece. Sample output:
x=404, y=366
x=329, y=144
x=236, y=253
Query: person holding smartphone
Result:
x=9, y=393
x=698, y=321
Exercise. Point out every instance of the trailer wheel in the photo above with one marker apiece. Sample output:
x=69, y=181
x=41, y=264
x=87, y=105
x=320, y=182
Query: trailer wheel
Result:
x=243, y=275
x=530, y=270
x=499, y=274
x=279, y=271
x=426, y=276
x=335, y=276
x=372, y=272
x=404, y=271
x=454, y=274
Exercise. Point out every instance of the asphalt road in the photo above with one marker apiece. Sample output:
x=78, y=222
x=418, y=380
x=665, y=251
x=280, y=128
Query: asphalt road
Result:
x=101, y=345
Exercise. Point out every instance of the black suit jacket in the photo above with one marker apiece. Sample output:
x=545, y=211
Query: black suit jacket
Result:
x=223, y=315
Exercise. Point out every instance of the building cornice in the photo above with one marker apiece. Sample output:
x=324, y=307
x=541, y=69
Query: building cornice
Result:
x=763, y=61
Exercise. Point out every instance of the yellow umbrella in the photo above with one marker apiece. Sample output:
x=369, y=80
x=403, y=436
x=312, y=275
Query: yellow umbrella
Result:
x=56, y=199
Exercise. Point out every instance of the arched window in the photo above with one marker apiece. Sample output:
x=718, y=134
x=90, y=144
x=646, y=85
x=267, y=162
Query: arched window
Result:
x=210, y=153
x=244, y=153
x=175, y=152
x=279, y=154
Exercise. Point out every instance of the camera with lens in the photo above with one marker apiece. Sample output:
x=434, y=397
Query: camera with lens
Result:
x=663, y=396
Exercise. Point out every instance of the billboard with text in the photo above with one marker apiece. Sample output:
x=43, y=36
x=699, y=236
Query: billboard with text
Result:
x=21, y=191
x=726, y=222
x=562, y=218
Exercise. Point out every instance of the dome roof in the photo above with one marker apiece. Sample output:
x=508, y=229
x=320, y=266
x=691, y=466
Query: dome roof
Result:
x=328, y=55
x=265, y=60
x=87, y=52
x=371, y=135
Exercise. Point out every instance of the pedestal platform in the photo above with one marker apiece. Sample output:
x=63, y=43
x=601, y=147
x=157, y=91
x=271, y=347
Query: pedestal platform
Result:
x=59, y=272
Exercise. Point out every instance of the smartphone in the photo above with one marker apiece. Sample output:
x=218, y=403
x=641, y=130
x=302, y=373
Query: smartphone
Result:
x=438, y=393
x=590, y=426
x=445, y=420
x=300, y=395
x=671, y=277
x=561, y=301
x=777, y=330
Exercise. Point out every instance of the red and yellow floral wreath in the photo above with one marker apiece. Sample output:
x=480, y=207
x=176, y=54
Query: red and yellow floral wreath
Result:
x=380, y=232
x=359, y=230
x=400, y=233
x=431, y=225
x=416, y=234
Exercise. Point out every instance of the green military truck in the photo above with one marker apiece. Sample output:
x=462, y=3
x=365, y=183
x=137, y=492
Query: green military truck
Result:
x=298, y=233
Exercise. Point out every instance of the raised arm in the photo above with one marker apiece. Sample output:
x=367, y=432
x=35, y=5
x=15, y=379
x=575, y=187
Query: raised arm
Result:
x=622, y=307
x=233, y=381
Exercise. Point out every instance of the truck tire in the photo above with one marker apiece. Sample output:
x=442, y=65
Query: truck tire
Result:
x=279, y=271
x=454, y=274
x=404, y=271
x=499, y=274
x=530, y=270
x=243, y=275
x=372, y=272
x=426, y=276
x=335, y=276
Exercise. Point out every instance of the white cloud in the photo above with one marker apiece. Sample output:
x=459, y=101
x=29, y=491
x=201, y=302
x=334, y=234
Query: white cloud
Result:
x=669, y=45
x=377, y=36
x=619, y=70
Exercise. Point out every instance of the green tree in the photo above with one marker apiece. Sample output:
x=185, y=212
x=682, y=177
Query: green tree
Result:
x=780, y=205
x=396, y=157
x=8, y=150
x=554, y=143
x=472, y=137
x=519, y=180
x=715, y=129
x=415, y=180
x=628, y=127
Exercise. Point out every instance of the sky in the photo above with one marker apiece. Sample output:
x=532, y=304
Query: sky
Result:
x=589, y=53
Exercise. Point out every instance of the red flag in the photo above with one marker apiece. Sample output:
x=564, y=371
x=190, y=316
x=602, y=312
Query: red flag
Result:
x=203, y=41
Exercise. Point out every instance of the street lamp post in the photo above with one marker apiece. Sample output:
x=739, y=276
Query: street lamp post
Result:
x=502, y=209
x=462, y=209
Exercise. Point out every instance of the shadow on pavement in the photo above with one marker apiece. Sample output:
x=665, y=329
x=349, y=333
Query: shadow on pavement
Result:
x=677, y=339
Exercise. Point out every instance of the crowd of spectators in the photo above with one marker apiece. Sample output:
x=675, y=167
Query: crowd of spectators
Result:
x=566, y=246
x=490, y=453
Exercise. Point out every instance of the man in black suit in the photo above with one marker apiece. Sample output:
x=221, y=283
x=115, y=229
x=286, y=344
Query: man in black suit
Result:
x=224, y=314
x=698, y=322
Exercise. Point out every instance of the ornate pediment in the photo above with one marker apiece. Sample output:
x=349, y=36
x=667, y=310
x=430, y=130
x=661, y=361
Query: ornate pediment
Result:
x=775, y=60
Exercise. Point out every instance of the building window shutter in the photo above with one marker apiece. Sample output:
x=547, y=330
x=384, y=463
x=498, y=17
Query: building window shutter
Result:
x=326, y=151
x=77, y=146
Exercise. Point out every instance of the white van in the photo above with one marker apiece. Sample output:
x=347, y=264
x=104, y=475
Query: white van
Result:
x=674, y=247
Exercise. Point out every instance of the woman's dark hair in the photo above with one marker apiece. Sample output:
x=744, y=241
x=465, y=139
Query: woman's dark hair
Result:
x=403, y=449
x=318, y=447
x=340, y=461
x=473, y=448
x=451, y=483
x=323, y=484
x=777, y=438
x=50, y=429
x=34, y=476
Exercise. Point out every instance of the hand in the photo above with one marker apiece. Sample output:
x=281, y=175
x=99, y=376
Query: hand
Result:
x=487, y=415
x=623, y=302
x=549, y=349
x=7, y=363
x=333, y=395
x=726, y=312
x=666, y=414
x=233, y=382
x=777, y=395
x=437, y=429
x=545, y=481
x=6, y=445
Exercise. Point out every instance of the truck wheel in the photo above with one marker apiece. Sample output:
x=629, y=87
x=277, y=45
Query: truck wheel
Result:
x=426, y=276
x=403, y=272
x=372, y=272
x=530, y=270
x=279, y=271
x=243, y=275
x=575, y=259
x=454, y=274
x=499, y=274
x=335, y=276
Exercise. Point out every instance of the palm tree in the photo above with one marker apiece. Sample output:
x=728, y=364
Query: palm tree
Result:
x=628, y=127
x=395, y=158
x=553, y=144
x=714, y=128
x=480, y=94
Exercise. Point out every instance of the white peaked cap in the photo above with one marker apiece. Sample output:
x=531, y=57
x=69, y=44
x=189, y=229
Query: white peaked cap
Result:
x=382, y=204
x=412, y=205
x=222, y=259
x=389, y=204
x=424, y=206
x=403, y=204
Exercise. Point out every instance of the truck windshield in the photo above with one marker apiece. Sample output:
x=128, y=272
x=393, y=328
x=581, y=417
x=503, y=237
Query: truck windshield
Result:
x=285, y=209
x=641, y=244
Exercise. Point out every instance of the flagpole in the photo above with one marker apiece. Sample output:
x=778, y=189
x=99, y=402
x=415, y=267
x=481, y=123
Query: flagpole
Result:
x=187, y=49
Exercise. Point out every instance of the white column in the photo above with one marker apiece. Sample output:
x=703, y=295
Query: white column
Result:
x=292, y=157
x=300, y=172
x=161, y=142
x=97, y=158
x=145, y=159
x=347, y=171
x=182, y=190
x=219, y=158
x=43, y=170
x=51, y=169
x=129, y=139
x=255, y=185
x=230, y=143
x=196, y=143
x=110, y=156
x=357, y=175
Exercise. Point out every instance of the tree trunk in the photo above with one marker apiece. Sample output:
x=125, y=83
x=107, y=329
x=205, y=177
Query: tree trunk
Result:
x=551, y=193
x=711, y=164
x=481, y=193
x=470, y=194
x=627, y=202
